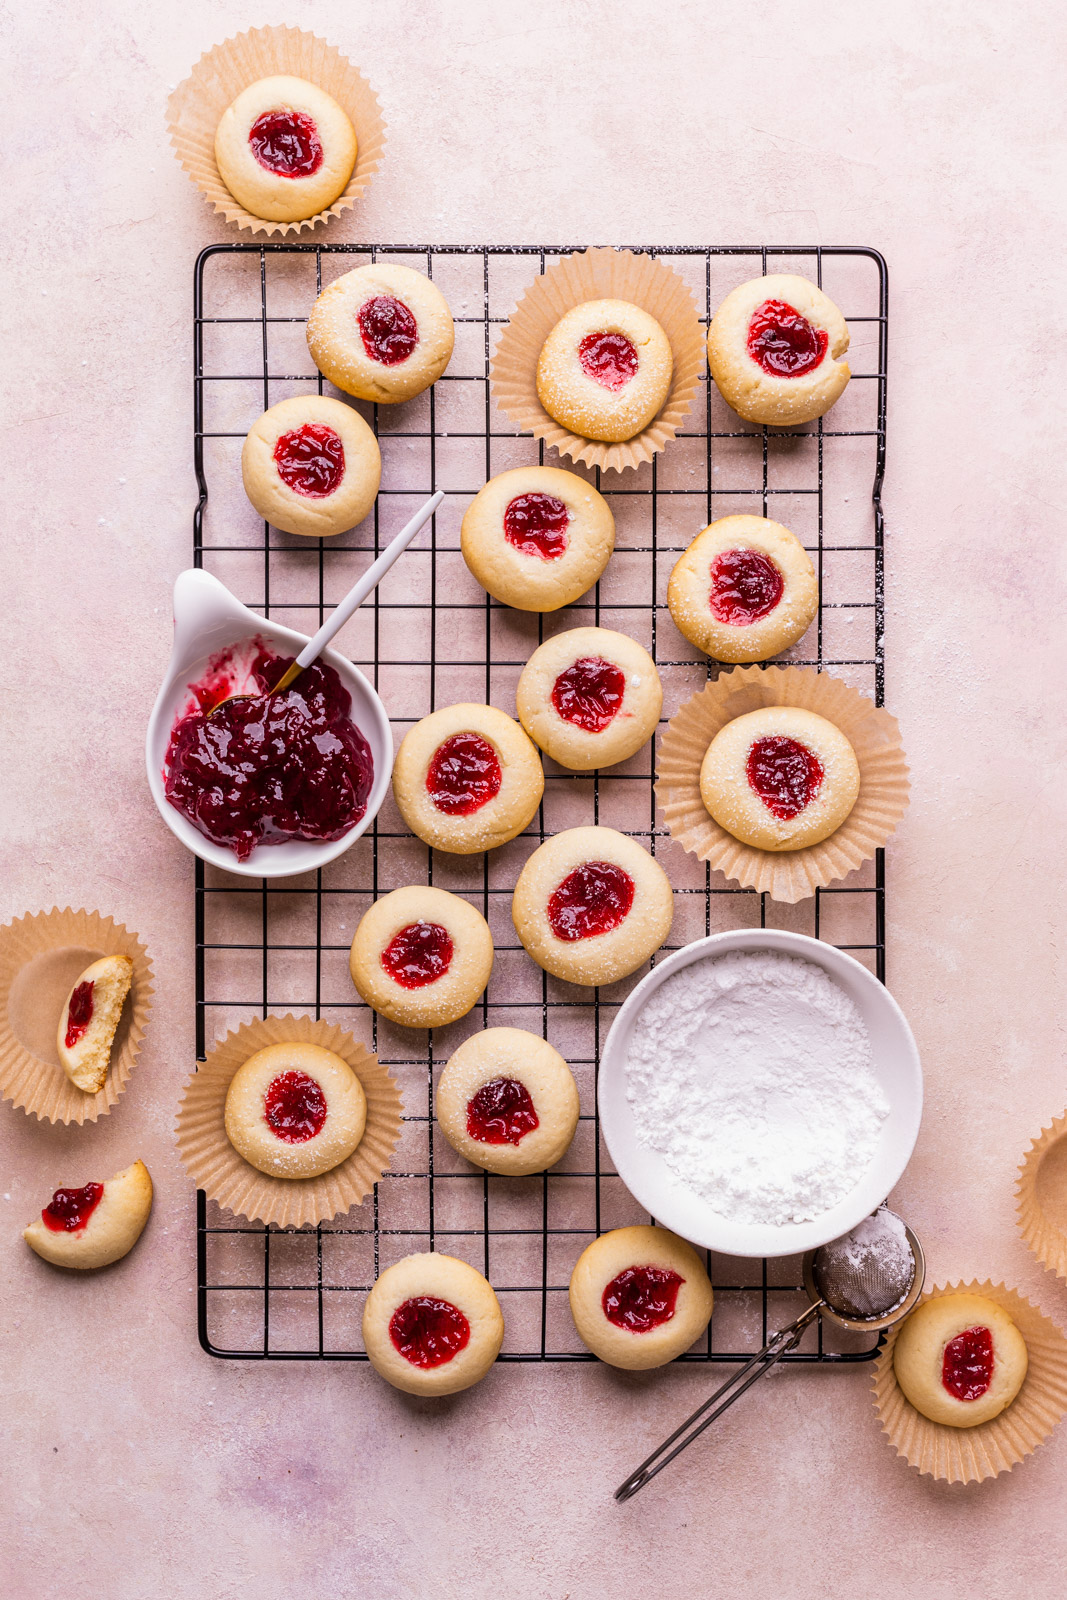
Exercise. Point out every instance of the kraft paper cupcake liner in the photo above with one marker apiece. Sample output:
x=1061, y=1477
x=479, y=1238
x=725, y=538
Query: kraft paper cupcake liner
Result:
x=969, y=1455
x=789, y=875
x=227, y=1178
x=197, y=104
x=41, y=955
x=1042, y=1197
x=599, y=274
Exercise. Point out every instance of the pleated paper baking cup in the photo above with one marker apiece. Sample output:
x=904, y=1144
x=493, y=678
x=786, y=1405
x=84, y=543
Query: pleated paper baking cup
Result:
x=969, y=1455
x=231, y=1181
x=1042, y=1197
x=41, y=956
x=197, y=104
x=789, y=875
x=599, y=275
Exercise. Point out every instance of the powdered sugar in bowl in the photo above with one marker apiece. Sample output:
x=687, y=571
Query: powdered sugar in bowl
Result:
x=760, y=1092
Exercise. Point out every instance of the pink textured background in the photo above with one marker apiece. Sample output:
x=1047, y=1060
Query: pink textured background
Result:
x=135, y=1465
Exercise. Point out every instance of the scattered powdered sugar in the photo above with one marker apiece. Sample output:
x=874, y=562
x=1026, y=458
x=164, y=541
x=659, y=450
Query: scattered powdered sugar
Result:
x=752, y=1075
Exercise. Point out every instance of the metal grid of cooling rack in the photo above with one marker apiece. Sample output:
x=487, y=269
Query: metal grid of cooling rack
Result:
x=431, y=637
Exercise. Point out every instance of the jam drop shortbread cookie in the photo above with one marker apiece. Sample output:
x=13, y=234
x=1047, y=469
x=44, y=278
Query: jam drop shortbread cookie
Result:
x=773, y=348
x=605, y=370
x=744, y=590
x=311, y=465
x=285, y=149
x=381, y=333
x=591, y=905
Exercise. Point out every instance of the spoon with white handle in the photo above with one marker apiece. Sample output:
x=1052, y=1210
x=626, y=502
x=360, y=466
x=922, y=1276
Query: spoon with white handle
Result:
x=352, y=600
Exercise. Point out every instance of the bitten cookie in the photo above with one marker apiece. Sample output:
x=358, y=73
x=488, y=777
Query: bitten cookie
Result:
x=605, y=370
x=639, y=1297
x=744, y=590
x=589, y=697
x=311, y=465
x=421, y=956
x=591, y=905
x=467, y=779
x=508, y=1102
x=381, y=333
x=960, y=1359
x=89, y=1021
x=94, y=1226
x=285, y=149
x=295, y=1110
x=773, y=349
x=432, y=1325
x=780, y=778
x=537, y=537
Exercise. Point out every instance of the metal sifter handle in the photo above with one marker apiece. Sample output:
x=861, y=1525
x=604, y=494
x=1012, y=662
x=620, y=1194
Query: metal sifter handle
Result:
x=732, y=1389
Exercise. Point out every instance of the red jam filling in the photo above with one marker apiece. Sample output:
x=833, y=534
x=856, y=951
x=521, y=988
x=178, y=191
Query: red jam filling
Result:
x=388, y=330
x=608, y=358
x=79, y=1013
x=641, y=1298
x=295, y=1107
x=783, y=342
x=589, y=693
x=501, y=1112
x=464, y=775
x=427, y=1331
x=745, y=587
x=270, y=768
x=537, y=525
x=70, y=1209
x=286, y=143
x=967, y=1364
x=419, y=954
x=786, y=775
x=311, y=460
x=592, y=899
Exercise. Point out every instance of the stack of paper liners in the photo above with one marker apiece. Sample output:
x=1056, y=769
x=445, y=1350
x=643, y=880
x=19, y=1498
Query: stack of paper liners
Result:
x=227, y=1178
x=789, y=875
x=1042, y=1197
x=599, y=275
x=197, y=104
x=41, y=956
x=969, y=1455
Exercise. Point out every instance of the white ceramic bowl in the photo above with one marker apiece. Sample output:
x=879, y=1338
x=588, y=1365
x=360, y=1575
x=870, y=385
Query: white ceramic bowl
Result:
x=896, y=1064
x=207, y=619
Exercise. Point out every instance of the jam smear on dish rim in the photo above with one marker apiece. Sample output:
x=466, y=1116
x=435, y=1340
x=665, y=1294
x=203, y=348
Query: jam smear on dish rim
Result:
x=287, y=143
x=295, y=1107
x=311, y=460
x=783, y=342
x=609, y=359
x=464, y=775
x=967, y=1364
x=589, y=693
x=536, y=524
x=419, y=954
x=388, y=330
x=427, y=1331
x=79, y=1013
x=271, y=768
x=745, y=587
x=786, y=775
x=69, y=1210
x=641, y=1298
x=591, y=900
x=501, y=1112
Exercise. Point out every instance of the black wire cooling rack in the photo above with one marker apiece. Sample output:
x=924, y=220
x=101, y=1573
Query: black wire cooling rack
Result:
x=431, y=637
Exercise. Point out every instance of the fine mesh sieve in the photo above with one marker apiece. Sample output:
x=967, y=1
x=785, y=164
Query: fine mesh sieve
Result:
x=865, y=1281
x=864, y=1278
